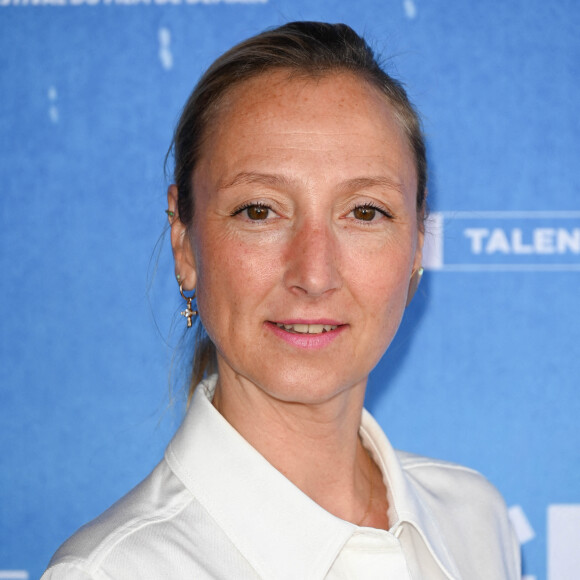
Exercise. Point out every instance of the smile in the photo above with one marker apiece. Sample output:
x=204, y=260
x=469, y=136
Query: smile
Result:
x=306, y=328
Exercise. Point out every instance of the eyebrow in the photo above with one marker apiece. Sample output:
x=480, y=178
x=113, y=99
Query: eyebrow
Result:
x=381, y=181
x=280, y=181
x=250, y=177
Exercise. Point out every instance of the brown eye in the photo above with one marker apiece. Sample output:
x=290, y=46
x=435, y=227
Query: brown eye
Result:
x=364, y=213
x=257, y=212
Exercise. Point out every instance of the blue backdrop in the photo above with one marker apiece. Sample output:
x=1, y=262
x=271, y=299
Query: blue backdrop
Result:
x=485, y=368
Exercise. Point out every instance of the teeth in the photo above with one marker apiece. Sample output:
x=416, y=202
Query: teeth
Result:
x=306, y=328
x=299, y=328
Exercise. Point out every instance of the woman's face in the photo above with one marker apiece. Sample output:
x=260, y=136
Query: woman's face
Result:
x=305, y=233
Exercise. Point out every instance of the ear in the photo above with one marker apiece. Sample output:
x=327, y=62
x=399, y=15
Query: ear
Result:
x=181, y=244
x=417, y=272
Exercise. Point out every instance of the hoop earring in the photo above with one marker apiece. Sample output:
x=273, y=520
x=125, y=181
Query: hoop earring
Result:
x=188, y=312
x=414, y=284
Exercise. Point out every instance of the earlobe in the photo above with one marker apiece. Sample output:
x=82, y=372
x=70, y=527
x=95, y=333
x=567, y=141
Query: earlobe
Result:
x=414, y=284
x=183, y=255
x=417, y=272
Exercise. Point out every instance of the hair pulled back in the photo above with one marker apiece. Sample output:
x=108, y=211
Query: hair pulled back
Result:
x=304, y=49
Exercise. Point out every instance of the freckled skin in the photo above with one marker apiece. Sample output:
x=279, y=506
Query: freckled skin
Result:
x=311, y=151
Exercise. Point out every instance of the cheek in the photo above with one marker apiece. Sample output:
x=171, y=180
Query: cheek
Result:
x=382, y=271
x=232, y=273
x=380, y=281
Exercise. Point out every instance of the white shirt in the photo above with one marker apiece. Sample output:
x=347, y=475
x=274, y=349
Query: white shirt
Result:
x=215, y=508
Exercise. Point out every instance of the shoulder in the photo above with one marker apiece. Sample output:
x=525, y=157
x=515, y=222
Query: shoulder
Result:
x=468, y=511
x=125, y=532
x=158, y=530
x=448, y=481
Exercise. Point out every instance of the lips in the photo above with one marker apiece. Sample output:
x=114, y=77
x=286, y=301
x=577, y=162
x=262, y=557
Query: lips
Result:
x=307, y=328
x=310, y=334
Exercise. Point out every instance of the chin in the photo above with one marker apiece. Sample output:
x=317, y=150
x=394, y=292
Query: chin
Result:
x=309, y=386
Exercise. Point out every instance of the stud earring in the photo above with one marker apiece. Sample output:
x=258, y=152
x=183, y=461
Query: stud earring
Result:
x=188, y=312
x=170, y=213
x=414, y=284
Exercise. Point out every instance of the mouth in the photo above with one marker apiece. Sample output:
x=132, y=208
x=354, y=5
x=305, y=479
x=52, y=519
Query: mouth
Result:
x=306, y=328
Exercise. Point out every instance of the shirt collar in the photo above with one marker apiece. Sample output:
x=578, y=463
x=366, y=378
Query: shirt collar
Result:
x=406, y=507
x=279, y=529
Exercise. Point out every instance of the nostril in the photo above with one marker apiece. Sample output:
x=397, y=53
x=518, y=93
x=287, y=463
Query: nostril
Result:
x=314, y=271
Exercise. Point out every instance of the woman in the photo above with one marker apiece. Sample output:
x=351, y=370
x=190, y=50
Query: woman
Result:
x=297, y=218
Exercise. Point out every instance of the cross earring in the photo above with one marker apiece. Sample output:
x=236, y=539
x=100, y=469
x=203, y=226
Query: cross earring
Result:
x=188, y=312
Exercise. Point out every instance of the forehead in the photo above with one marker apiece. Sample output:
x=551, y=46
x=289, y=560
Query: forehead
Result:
x=337, y=115
x=285, y=95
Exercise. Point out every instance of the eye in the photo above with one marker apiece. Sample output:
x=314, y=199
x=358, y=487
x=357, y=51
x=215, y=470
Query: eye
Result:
x=364, y=213
x=254, y=212
x=368, y=213
x=257, y=212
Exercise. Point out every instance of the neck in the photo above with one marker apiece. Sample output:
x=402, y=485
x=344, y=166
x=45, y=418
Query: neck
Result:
x=314, y=444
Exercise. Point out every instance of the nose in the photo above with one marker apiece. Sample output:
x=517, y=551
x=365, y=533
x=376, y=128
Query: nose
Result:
x=312, y=260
